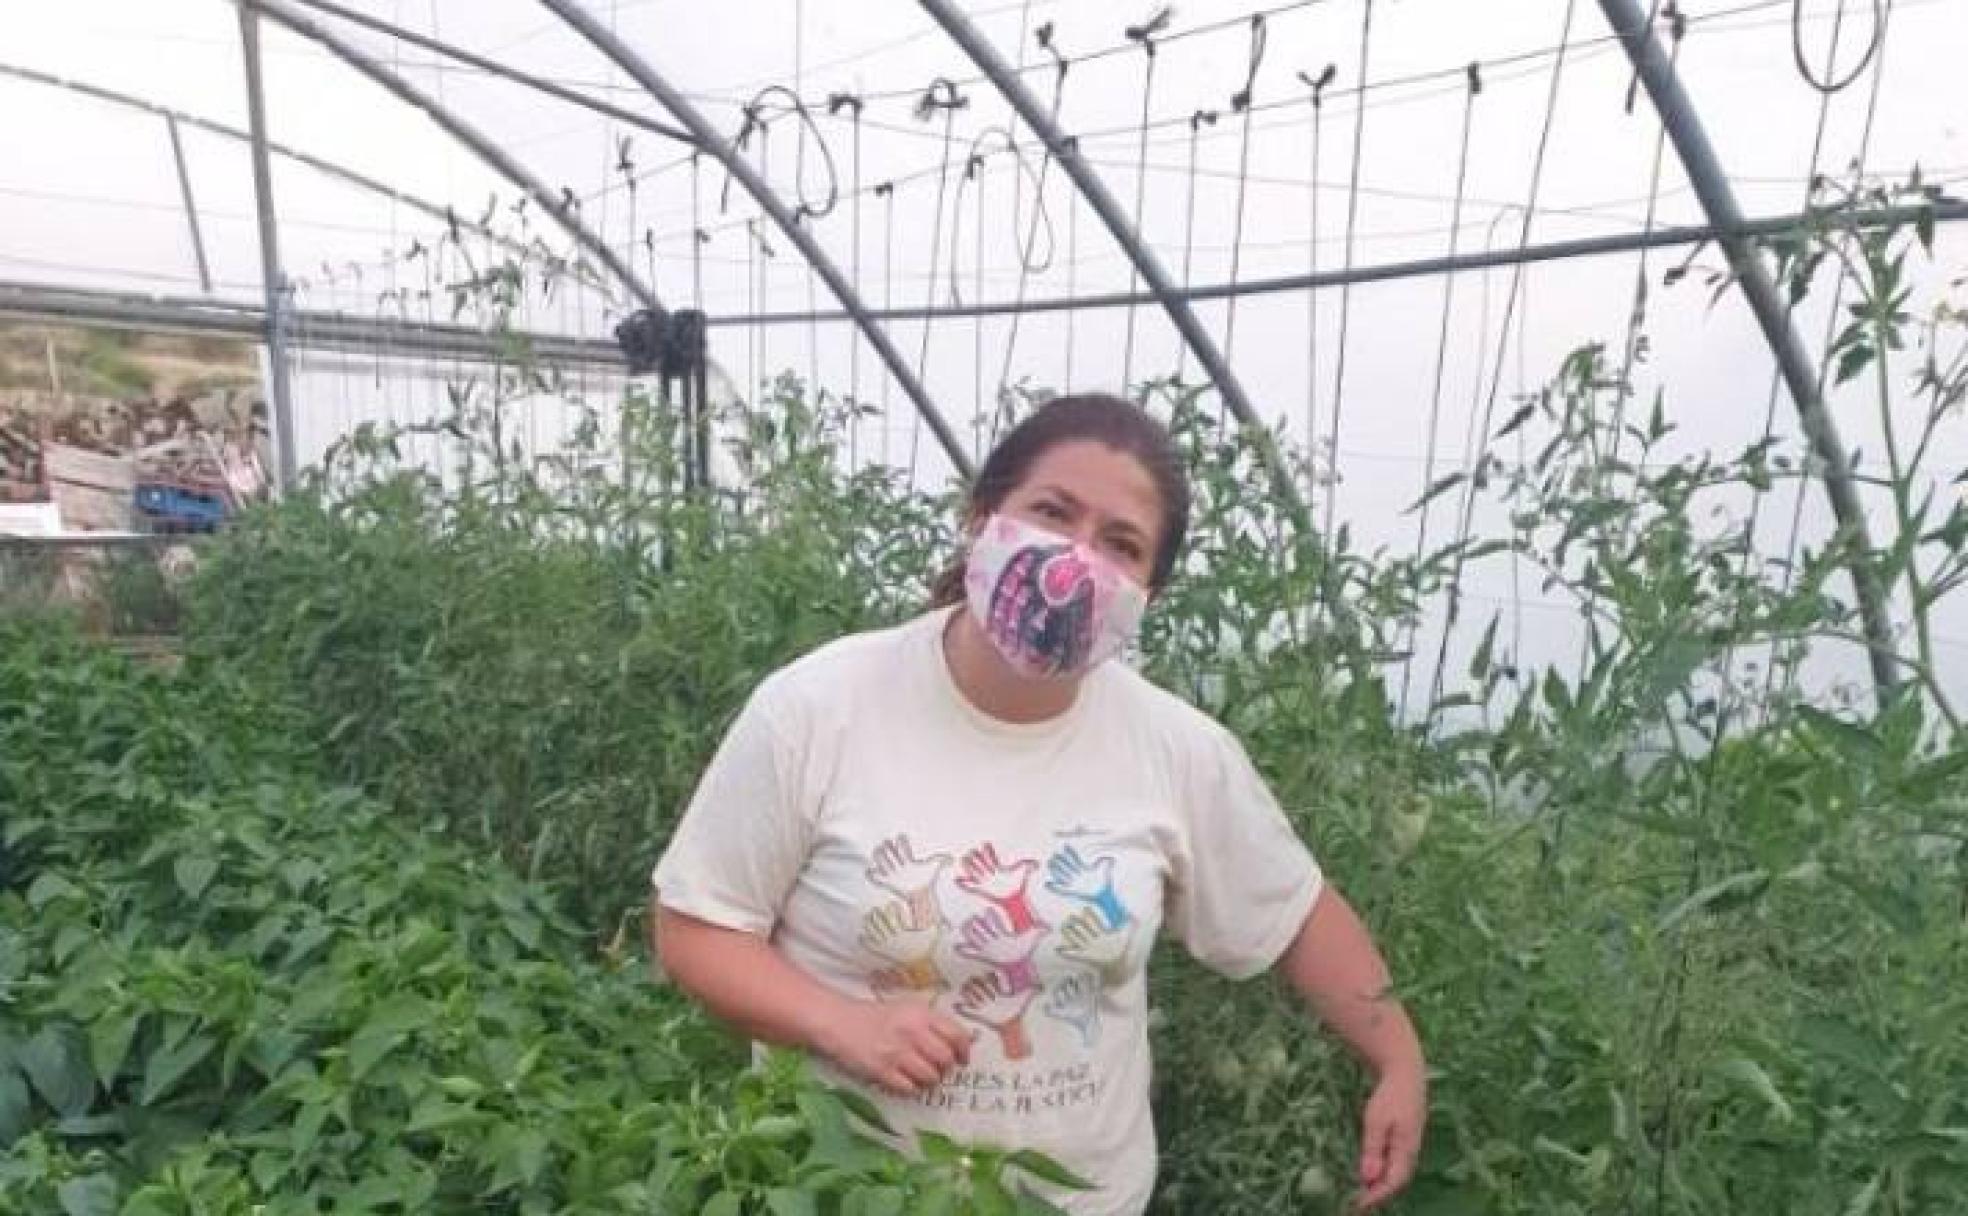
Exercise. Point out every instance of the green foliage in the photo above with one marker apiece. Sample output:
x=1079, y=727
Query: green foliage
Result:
x=1678, y=936
x=231, y=987
x=542, y=660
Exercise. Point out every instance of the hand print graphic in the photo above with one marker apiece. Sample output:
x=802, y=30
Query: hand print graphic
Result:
x=990, y=938
x=897, y=870
x=889, y=931
x=1075, y=1000
x=988, y=878
x=988, y=1001
x=1088, y=938
x=1070, y=875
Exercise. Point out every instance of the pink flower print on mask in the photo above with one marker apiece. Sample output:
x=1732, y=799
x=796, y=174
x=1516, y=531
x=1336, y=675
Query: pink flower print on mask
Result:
x=988, y=1001
x=988, y=878
x=989, y=938
x=1051, y=607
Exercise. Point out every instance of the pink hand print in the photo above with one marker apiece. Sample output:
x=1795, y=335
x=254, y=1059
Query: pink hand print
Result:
x=990, y=938
x=987, y=1001
x=986, y=877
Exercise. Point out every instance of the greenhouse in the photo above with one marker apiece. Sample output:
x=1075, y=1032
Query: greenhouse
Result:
x=452, y=456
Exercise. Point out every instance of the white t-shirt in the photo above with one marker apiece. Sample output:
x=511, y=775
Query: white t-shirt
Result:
x=891, y=839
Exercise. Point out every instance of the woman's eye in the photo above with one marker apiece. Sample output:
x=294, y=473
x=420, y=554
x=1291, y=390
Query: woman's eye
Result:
x=1051, y=510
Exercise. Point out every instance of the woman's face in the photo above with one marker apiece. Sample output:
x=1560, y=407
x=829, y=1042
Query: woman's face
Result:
x=1096, y=495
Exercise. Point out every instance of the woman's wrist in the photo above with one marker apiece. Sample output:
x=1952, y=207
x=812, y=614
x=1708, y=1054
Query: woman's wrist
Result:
x=1399, y=1058
x=820, y=1021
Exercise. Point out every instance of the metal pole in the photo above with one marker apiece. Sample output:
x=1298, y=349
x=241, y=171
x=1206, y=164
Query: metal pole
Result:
x=1067, y=153
x=708, y=139
x=329, y=168
x=504, y=71
x=514, y=172
x=275, y=281
x=316, y=330
x=191, y=207
x=1584, y=247
x=1718, y=201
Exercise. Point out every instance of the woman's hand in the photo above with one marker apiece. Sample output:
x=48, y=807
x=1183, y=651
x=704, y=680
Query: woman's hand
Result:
x=903, y=1046
x=1390, y=1135
x=1335, y=965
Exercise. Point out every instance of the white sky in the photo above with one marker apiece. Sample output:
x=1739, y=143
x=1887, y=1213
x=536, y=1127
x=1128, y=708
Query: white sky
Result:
x=88, y=193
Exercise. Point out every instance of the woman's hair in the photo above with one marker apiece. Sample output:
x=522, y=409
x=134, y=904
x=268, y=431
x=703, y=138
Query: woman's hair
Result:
x=1081, y=418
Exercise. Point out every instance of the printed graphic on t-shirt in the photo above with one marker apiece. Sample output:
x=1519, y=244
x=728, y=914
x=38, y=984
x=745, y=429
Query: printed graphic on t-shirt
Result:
x=1002, y=941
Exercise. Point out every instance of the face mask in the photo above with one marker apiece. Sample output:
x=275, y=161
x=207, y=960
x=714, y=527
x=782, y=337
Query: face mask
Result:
x=1051, y=607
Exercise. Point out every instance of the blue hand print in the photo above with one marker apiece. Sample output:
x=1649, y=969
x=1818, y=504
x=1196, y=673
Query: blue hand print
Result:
x=1072, y=876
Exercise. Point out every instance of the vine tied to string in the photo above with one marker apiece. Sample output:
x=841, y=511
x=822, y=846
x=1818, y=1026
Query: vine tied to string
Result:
x=1317, y=84
x=1144, y=34
x=1240, y=101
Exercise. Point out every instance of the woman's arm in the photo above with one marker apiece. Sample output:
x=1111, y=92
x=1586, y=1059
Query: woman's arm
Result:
x=902, y=1046
x=1334, y=965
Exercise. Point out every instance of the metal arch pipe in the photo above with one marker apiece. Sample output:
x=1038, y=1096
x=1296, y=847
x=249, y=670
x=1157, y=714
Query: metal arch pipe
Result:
x=604, y=40
x=493, y=67
x=1067, y=153
x=1718, y=200
x=466, y=134
x=327, y=168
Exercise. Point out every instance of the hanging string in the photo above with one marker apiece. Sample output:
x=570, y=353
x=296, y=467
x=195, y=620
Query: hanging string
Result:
x=1776, y=374
x=766, y=374
x=1240, y=103
x=430, y=318
x=1635, y=326
x=1472, y=461
x=835, y=104
x=625, y=166
x=1317, y=113
x=973, y=174
x=1441, y=365
x=1825, y=84
x=1072, y=279
x=698, y=237
x=530, y=403
x=1041, y=217
x=1196, y=122
x=1142, y=35
x=751, y=307
x=1346, y=290
x=800, y=214
x=756, y=121
x=1467, y=508
x=977, y=323
x=942, y=96
x=886, y=193
x=1646, y=30
x=1832, y=319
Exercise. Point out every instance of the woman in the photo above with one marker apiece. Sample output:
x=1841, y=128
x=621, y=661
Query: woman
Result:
x=935, y=857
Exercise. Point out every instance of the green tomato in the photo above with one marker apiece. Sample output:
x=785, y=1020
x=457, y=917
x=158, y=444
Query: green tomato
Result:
x=1314, y=1183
